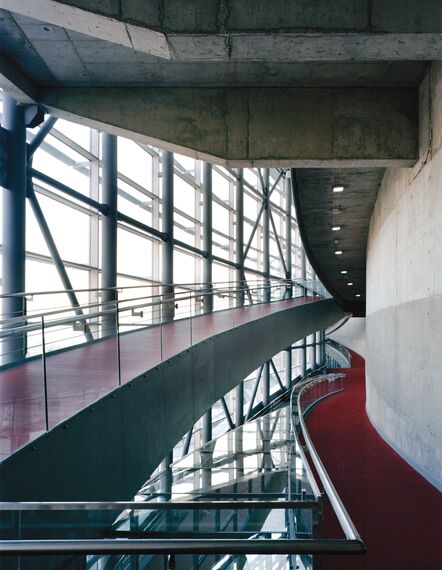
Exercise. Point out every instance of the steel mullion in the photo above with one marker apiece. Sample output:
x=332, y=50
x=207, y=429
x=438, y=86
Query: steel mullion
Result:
x=227, y=413
x=255, y=390
x=281, y=255
x=276, y=374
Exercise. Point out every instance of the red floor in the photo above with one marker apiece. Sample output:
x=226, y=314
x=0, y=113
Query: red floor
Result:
x=79, y=376
x=396, y=511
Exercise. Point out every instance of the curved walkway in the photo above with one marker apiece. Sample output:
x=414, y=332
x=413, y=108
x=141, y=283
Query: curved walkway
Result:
x=79, y=376
x=397, y=512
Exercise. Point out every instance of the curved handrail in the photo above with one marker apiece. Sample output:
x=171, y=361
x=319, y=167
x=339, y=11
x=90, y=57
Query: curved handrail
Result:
x=341, y=513
x=341, y=349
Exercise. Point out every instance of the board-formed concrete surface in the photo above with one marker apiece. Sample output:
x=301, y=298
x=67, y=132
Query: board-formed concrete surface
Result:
x=239, y=83
x=404, y=303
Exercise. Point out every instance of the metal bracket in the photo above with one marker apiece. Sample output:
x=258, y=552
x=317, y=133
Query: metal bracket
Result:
x=80, y=327
x=34, y=116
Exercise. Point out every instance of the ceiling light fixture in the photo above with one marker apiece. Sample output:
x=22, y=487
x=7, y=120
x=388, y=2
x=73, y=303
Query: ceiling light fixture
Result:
x=338, y=189
x=358, y=295
x=336, y=228
x=350, y=284
x=344, y=272
x=338, y=252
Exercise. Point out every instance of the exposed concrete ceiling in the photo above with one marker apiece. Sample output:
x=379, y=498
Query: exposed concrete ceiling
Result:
x=243, y=82
x=319, y=209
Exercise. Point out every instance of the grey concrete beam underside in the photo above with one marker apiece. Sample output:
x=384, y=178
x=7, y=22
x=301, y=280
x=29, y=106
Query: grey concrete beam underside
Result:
x=252, y=29
x=241, y=127
x=108, y=450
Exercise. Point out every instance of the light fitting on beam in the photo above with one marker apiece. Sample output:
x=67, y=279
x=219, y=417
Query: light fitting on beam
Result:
x=338, y=189
x=344, y=272
x=336, y=228
x=358, y=295
x=338, y=252
x=350, y=284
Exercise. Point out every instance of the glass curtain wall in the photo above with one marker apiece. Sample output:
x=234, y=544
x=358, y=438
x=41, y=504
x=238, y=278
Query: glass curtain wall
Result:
x=70, y=155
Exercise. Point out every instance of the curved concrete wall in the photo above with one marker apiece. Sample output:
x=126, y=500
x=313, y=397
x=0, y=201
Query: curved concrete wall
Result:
x=107, y=451
x=404, y=300
x=352, y=335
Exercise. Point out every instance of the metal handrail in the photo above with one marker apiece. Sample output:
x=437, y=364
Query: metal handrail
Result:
x=189, y=285
x=163, y=299
x=352, y=544
x=343, y=350
x=341, y=513
x=15, y=322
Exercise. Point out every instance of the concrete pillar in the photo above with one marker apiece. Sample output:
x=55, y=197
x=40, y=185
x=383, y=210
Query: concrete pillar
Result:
x=14, y=224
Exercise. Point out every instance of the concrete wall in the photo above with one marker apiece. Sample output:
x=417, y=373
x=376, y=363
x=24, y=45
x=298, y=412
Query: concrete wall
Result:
x=404, y=298
x=352, y=335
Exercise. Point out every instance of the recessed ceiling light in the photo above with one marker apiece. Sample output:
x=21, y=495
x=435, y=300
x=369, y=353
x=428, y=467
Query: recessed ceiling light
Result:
x=338, y=252
x=336, y=228
x=358, y=295
x=344, y=272
x=350, y=284
x=338, y=189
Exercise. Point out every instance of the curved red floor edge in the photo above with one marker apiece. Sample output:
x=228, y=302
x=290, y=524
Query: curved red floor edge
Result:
x=396, y=511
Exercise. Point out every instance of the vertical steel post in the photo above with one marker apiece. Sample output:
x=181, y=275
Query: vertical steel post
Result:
x=239, y=237
x=14, y=224
x=266, y=383
x=168, y=308
x=207, y=273
x=318, y=348
x=288, y=236
x=207, y=237
x=303, y=277
x=288, y=276
x=266, y=236
x=240, y=282
x=206, y=427
x=109, y=197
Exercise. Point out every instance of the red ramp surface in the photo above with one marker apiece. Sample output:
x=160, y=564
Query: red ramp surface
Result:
x=396, y=511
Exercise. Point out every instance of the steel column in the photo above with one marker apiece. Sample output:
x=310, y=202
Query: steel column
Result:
x=303, y=277
x=240, y=282
x=207, y=273
x=206, y=427
x=266, y=237
x=168, y=309
x=288, y=258
x=109, y=221
x=207, y=237
x=288, y=236
x=266, y=383
x=14, y=224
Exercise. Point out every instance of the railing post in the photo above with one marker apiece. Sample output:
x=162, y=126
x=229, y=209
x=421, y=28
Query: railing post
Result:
x=14, y=224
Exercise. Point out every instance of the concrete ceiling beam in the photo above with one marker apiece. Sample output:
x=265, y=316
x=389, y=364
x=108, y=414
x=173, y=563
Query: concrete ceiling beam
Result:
x=256, y=126
x=218, y=30
x=16, y=83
